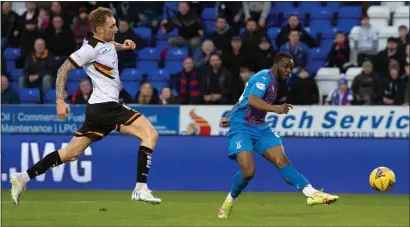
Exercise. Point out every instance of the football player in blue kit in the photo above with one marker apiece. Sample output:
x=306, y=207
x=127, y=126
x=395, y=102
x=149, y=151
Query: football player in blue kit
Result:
x=249, y=134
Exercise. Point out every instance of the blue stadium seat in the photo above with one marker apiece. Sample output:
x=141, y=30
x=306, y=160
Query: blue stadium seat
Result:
x=74, y=78
x=130, y=74
x=16, y=74
x=29, y=95
x=161, y=45
x=333, y=6
x=161, y=36
x=77, y=74
x=159, y=74
x=315, y=65
x=209, y=14
x=159, y=78
x=273, y=32
x=308, y=6
x=282, y=6
x=326, y=45
x=318, y=25
x=132, y=87
x=148, y=58
x=145, y=33
x=320, y=13
x=210, y=26
x=350, y=12
x=328, y=33
x=318, y=54
x=346, y=25
x=10, y=56
x=301, y=13
x=174, y=66
x=50, y=97
x=176, y=54
x=170, y=8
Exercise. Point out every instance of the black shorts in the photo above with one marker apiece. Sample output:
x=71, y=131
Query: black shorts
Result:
x=102, y=118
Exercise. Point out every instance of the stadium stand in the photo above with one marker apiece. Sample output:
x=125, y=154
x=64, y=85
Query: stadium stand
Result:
x=158, y=63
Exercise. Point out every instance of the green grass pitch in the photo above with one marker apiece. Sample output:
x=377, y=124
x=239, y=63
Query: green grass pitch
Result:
x=115, y=208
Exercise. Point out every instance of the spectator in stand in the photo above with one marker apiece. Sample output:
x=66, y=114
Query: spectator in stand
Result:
x=303, y=90
x=43, y=19
x=339, y=55
x=294, y=25
x=298, y=50
x=56, y=10
x=60, y=40
x=366, y=86
x=258, y=11
x=245, y=73
x=205, y=52
x=83, y=94
x=28, y=37
x=404, y=36
x=8, y=95
x=39, y=68
x=263, y=56
x=366, y=40
x=216, y=82
x=252, y=36
x=149, y=13
x=223, y=34
x=407, y=51
x=383, y=58
x=9, y=22
x=147, y=95
x=234, y=58
x=167, y=98
x=127, y=59
x=125, y=97
x=394, y=90
x=127, y=10
x=186, y=83
x=82, y=26
x=342, y=96
x=232, y=11
x=31, y=13
x=189, y=25
x=406, y=73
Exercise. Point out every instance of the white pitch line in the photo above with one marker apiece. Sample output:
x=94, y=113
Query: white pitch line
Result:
x=36, y=202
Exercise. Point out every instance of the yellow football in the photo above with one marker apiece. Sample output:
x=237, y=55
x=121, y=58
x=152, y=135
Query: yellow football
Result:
x=382, y=179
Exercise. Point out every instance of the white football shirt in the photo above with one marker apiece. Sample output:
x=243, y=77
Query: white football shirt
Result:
x=100, y=61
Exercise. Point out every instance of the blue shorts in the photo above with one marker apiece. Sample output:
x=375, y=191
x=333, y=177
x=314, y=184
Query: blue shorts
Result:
x=244, y=137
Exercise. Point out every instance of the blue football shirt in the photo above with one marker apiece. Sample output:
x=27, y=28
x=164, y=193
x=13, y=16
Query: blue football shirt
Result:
x=264, y=85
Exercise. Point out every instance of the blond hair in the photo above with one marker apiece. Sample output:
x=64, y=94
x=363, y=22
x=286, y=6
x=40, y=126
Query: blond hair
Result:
x=98, y=17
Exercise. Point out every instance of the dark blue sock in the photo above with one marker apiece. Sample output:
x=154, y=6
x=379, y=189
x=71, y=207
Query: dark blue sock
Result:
x=238, y=184
x=293, y=177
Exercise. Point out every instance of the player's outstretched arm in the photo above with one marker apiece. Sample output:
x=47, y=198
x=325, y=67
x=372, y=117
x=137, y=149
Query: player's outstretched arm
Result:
x=62, y=74
x=127, y=45
x=257, y=103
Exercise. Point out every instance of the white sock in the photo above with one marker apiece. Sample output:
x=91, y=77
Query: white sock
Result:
x=140, y=186
x=309, y=190
x=25, y=177
x=230, y=197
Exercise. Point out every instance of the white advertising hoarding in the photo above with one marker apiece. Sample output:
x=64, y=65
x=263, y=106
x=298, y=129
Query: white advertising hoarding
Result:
x=308, y=121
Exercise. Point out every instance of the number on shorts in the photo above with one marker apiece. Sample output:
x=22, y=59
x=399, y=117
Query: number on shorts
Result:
x=275, y=133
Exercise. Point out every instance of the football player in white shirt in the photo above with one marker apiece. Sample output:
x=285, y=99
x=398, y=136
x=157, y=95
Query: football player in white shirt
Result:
x=98, y=57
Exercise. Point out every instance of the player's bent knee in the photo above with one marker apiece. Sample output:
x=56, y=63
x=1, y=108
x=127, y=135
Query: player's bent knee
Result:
x=67, y=155
x=248, y=173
